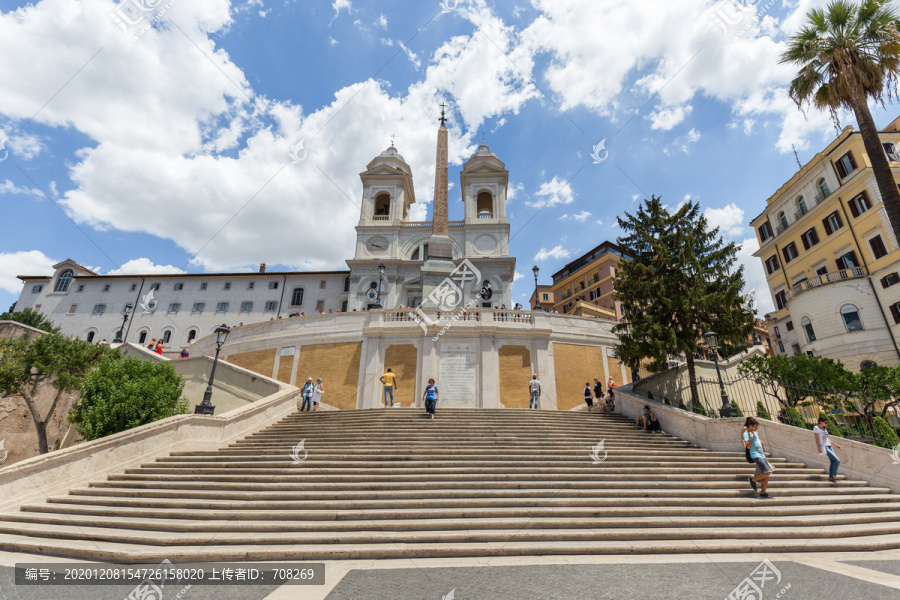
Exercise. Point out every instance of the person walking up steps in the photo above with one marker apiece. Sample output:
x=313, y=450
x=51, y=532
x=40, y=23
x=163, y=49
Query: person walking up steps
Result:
x=534, y=387
x=758, y=454
x=431, y=396
x=823, y=444
x=389, y=381
x=587, y=397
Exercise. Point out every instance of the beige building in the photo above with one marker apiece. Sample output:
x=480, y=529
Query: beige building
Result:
x=831, y=258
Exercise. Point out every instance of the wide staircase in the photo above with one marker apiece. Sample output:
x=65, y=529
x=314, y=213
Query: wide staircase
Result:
x=389, y=483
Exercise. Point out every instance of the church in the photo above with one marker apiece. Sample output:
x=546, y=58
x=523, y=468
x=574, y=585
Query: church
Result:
x=397, y=263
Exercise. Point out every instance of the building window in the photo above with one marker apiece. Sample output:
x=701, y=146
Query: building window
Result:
x=777, y=332
x=133, y=287
x=192, y=335
x=227, y=285
x=801, y=206
x=859, y=204
x=167, y=336
x=36, y=289
x=895, y=312
x=72, y=309
x=823, y=270
x=246, y=306
x=832, y=223
x=484, y=205
x=877, y=246
x=781, y=347
x=222, y=307
x=783, y=220
x=771, y=264
x=795, y=348
x=271, y=305
x=889, y=280
x=202, y=287
x=80, y=288
x=154, y=286
x=890, y=150
x=851, y=318
x=320, y=305
x=346, y=285
x=99, y=309
x=322, y=284
x=847, y=261
x=198, y=307
x=789, y=325
x=90, y=336
x=781, y=299
x=174, y=307
x=790, y=252
x=808, y=328
x=142, y=337
x=823, y=189
x=37, y=308
x=250, y=285
x=344, y=306
x=297, y=297
x=810, y=238
x=845, y=165
x=65, y=279
x=273, y=285
x=178, y=287
x=765, y=231
x=106, y=288
x=545, y=297
x=415, y=254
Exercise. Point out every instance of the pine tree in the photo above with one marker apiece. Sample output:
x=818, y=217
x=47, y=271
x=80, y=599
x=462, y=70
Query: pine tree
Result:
x=681, y=281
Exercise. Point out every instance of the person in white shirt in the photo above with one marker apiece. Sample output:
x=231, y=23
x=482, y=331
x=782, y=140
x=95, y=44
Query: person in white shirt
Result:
x=534, y=386
x=317, y=393
x=823, y=444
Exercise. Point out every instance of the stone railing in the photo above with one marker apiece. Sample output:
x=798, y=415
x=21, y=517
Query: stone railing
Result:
x=827, y=278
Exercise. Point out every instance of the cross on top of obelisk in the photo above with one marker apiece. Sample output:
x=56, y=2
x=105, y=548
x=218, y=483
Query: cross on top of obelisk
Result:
x=443, y=118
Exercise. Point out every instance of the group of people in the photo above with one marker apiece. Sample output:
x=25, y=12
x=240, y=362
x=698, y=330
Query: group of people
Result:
x=158, y=346
x=312, y=394
x=597, y=394
x=755, y=451
x=647, y=421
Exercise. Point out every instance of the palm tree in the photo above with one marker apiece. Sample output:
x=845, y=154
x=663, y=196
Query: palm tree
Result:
x=846, y=54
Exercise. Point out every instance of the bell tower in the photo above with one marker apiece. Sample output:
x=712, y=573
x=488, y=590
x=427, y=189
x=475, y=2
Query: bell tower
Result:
x=484, y=180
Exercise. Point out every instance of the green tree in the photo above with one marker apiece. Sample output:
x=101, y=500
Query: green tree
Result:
x=761, y=411
x=28, y=364
x=30, y=318
x=847, y=54
x=123, y=394
x=681, y=281
x=885, y=436
x=794, y=379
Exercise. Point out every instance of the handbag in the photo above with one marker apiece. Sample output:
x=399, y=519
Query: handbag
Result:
x=747, y=455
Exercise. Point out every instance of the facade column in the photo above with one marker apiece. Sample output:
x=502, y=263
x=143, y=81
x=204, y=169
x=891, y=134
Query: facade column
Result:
x=489, y=392
x=543, y=366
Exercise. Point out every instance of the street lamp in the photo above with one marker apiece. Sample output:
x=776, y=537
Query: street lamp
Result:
x=535, y=270
x=380, y=277
x=118, y=339
x=712, y=340
x=205, y=407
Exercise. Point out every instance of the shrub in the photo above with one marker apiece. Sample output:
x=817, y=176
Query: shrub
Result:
x=700, y=409
x=123, y=394
x=885, y=436
x=835, y=429
x=761, y=411
x=792, y=417
x=734, y=405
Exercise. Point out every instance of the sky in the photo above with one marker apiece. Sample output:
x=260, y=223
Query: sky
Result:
x=208, y=135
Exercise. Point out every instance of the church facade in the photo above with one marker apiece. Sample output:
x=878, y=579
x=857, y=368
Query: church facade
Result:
x=393, y=259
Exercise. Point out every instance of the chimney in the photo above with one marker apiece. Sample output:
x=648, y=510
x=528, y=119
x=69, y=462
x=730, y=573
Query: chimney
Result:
x=262, y=267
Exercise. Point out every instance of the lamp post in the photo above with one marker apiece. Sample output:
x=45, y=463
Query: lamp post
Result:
x=712, y=340
x=205, y=407
x=118, y=339
x=535, y=270
x=380, y=277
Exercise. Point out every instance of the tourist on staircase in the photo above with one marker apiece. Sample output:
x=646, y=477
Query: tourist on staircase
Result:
x=653, y=425
x=534, y=389
x=758, y=454
x=823, y=444
x=588, y=399
x=431, y=396
x=642, y=419
x=317, y=394
x=307, y=393
x=598, y=391
x=389, y=381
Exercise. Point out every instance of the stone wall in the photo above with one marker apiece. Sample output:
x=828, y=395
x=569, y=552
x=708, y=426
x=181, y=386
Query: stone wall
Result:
x=515, y=373
x=338, y=366
x=258, y=361
x=576, y=365
x=401, y=359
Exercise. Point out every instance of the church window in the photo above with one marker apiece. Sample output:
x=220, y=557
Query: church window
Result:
x=382, y=207
x=297, y=297
x=485, y=205
x=65, y=279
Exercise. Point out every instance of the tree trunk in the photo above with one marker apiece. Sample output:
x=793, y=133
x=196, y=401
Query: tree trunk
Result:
x=692, y=377
x=890, y=195
x=39, y=424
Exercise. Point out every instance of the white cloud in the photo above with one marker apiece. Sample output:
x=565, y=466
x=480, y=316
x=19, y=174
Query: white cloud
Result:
x=32, y=262
x=140, y=266
x=8, y=187
x=556, y=253
x=517, y=276
x=755, y=276
x=667, y=118
x=339, y=5
x=729, y=220
x=599, y=223
x=581, y=217
x=553, y=192
x=332, y=41
x=683, y=143
x=381, y=21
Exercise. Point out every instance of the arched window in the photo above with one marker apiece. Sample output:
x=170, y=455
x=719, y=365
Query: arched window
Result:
x=823, y=188
x=868, y=364
x=801, y=205
x=808, y=328
x=192, y=335
x=382, y=206
x=90, y=336
x=783, y=220
x=167, y=336
x=142, y=337
x=297, y=297
x=65, y=279
x=851, y=317
x=484, y=205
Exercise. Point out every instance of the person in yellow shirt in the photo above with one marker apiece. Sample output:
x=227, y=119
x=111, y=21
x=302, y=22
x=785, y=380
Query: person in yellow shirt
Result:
x=390, y=383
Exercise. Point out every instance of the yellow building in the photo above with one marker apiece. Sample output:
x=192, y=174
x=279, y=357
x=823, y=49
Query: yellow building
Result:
x=585, y=285
x=831, y=259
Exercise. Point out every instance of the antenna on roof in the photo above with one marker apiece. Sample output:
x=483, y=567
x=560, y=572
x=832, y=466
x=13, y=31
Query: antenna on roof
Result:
x=797, y=157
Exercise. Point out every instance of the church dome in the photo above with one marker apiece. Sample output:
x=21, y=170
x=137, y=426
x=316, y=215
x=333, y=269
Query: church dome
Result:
x=483, y=150
x=392, y=153
x=392, y=158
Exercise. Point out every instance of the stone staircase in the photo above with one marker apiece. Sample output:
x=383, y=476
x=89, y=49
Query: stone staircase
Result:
x=389, y=483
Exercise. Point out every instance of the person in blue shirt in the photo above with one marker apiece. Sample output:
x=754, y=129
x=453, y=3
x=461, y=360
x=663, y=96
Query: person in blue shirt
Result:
x=307, y=392
x=758, y=454
x=431, y=396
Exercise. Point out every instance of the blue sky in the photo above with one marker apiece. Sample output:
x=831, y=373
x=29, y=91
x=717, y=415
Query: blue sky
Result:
x=165, y=143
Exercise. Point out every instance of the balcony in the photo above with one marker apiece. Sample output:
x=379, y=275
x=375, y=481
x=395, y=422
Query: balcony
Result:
x=827, y=278
x=381, y=218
